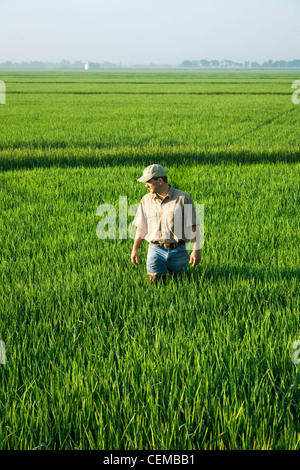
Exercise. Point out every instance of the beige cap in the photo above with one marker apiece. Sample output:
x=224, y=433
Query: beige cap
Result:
x=152, y=171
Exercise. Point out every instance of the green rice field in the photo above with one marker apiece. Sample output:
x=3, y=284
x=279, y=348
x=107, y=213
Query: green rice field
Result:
x=95, y=358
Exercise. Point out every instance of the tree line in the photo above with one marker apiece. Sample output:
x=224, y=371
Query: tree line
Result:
x=203, y=63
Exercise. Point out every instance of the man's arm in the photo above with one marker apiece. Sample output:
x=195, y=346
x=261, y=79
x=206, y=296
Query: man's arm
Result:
x=195, y=257
x=139, y=237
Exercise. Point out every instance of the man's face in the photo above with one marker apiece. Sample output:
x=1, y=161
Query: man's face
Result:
x=153, y=185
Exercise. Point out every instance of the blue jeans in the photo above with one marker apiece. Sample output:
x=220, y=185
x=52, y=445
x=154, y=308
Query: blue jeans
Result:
x=161, y=261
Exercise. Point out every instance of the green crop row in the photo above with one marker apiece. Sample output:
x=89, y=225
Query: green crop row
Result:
x=111, y=121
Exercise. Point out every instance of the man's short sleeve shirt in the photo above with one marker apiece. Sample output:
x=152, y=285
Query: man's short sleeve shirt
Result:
x=168, y=220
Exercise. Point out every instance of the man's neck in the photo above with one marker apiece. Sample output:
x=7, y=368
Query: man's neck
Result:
x=163, y=191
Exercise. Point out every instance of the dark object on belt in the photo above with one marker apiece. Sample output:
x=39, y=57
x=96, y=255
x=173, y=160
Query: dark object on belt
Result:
x=170, y=246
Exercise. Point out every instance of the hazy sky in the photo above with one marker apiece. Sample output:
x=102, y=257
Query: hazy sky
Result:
x=149, y=31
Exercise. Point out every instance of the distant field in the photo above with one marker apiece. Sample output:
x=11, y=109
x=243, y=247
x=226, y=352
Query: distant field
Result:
x=97, y=359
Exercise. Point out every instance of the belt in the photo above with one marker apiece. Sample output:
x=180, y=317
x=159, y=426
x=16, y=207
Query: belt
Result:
x=170, y=246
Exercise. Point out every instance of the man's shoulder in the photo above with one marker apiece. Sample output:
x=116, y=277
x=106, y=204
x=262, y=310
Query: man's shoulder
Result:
x=146, y=198
x=178, y=193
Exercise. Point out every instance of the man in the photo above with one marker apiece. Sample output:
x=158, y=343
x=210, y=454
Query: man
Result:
x=167, y=219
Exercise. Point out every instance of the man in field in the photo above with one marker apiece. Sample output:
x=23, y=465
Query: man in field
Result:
x=167, y=219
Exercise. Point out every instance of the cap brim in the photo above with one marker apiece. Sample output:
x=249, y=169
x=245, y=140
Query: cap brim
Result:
x=144, y=179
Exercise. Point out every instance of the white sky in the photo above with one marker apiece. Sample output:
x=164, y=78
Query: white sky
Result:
x=149, y=31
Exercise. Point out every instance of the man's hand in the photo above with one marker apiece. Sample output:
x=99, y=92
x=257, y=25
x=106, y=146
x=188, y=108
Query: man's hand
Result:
x=139, y=237
x=195, y=258
x=135, y=256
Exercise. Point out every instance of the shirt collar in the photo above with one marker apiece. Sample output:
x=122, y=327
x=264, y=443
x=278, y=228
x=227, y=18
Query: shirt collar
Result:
x=170, y=193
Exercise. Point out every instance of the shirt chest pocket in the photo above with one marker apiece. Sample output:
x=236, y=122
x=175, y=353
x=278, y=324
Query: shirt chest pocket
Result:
x=152, y=217
x=153, y=221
